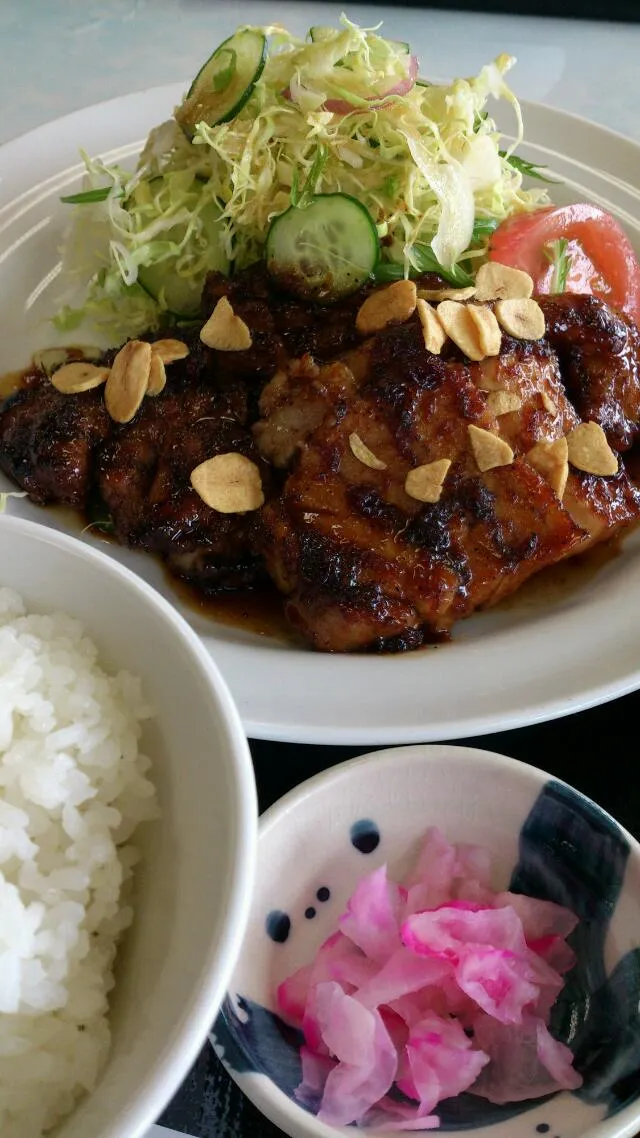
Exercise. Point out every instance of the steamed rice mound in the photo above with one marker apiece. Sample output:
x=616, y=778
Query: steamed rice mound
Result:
x=73, y=788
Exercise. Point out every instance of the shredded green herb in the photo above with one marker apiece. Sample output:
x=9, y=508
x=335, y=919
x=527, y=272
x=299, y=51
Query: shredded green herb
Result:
x=302, y=198
x=528, y=169
x=87, y=196
x=423, y=260
x=98, y=515
x=558, y=256
x=483, y=227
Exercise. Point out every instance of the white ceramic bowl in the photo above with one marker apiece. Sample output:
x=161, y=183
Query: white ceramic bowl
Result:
x=330, y=831
x=194, y=882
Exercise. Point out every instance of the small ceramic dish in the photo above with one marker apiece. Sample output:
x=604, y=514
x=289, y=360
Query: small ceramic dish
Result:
x=548, y=841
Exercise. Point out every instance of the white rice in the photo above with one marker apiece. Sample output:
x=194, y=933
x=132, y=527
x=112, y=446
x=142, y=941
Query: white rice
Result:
x=73, y=788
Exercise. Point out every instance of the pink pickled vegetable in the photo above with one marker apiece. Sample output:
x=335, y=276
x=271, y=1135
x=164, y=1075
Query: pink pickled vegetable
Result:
x=367, y=1058
x=392, y=1115
x=315, y=1071
x=526, y=1062
x=429, y=989
x=498, y=981
x=372, y=917
x=292, y=994
x=442, y=1062
x=401, y=974
x=555, y=952
x=539, y=918
x=447, y=932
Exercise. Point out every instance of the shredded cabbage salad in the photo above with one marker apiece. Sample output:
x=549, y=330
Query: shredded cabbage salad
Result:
x=344, y=109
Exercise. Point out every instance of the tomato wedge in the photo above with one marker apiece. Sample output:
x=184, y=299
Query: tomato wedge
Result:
x=602, y=259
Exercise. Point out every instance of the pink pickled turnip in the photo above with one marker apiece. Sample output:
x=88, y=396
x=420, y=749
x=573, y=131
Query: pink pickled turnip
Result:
x=442, y=1060
x=372, y=917
x=448, y=931
x=315, y=1071
x=539, y=918
x=429, y=989
x=557, y=1058
x=498, y=981
x=391, y=1115
x=367, y=1057
x=400, y=975
x=522, y=1063
x=292, y=995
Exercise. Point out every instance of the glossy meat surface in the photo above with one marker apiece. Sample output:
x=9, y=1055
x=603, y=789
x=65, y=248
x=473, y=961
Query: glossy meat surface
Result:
x=366, y=566
x=48, y=441
x=599, y=353
x=143, y=477
x=362, y=565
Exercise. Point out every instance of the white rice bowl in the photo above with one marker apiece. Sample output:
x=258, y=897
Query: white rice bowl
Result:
x=73, y=788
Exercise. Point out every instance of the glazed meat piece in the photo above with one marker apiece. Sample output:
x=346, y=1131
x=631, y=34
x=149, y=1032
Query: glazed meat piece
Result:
x=336, y=423
x=282, y=328
x=296, y=401
x=531, y=371
x=143, y=475
x=48, y=440
x=599, y=353
x=363, y=564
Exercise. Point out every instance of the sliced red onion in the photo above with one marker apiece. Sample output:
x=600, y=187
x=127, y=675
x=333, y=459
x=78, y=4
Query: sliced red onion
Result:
x=343, y=107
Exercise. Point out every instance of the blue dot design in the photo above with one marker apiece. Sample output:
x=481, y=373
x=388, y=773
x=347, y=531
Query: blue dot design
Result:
x=365, y=836
x=278, y=926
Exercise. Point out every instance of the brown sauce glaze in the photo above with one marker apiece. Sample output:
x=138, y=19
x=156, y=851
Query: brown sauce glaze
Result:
x=11, y=381
x=259, y=610
x=563, y=579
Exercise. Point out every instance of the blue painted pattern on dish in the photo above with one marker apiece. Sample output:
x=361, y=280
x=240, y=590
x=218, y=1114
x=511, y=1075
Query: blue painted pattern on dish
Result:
x=365, y=835
x=570, y=852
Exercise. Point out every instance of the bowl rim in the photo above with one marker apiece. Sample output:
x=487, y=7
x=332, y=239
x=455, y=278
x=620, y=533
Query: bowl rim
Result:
x=431, y=753
x=273, y=1103
x=181, y=1049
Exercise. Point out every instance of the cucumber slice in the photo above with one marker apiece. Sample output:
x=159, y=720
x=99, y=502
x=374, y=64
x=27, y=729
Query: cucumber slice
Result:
x=225, y=82
x=324, y=251
x=181, y=295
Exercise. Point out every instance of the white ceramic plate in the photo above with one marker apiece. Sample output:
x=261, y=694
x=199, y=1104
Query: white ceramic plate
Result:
x=518, y=665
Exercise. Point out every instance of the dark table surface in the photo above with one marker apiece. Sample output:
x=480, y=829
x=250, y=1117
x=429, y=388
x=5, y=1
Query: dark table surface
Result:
x=628, y=10
x=594, y=751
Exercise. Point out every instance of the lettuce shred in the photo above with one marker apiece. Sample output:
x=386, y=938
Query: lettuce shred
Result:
x=427, y=164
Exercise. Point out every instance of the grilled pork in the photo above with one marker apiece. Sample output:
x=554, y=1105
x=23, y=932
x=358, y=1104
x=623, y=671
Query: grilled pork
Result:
x=365, y=566
x=335, y=422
